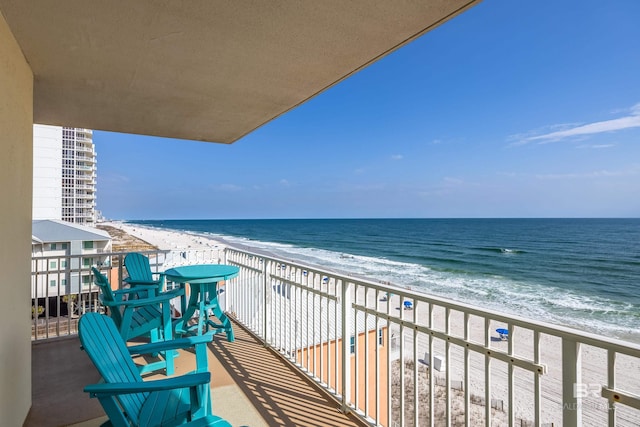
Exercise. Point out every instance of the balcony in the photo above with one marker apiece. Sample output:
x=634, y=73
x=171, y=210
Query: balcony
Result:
x=81, y=197
x=86, y=147
x=251, y=385
x=363, y=346
x=83, y=178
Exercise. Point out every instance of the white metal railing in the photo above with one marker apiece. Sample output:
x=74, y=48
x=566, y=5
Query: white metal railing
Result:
x=541, y=375
x=62, y=287
x=373, y=344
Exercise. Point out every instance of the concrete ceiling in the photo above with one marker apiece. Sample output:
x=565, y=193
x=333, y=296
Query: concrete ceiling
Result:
x=210, y=70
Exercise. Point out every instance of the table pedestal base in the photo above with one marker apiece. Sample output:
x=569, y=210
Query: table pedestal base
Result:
x=204, y=298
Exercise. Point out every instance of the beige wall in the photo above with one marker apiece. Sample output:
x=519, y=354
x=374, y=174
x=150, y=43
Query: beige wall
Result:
x=16, y=175
x=312, y=359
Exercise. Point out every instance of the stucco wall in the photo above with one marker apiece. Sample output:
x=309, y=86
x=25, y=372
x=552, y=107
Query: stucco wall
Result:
x=16, y=175
x=331, y=362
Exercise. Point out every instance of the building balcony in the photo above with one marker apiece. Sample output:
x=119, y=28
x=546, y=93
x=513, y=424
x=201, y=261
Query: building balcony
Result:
x=85, y=187
x=362, y=347
x=84, y=138
x=84, y=205
x=251, y=385
x=86, y=178
x=85, y=146
x=85, y=195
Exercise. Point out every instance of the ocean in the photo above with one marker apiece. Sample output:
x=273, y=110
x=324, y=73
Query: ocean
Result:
x=582, y=273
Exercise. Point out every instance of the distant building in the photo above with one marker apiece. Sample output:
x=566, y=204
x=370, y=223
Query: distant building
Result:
x=64, y=174
x=63, y=254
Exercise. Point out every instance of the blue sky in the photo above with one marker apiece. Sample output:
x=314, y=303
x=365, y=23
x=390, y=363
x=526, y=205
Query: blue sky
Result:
x=512, y=109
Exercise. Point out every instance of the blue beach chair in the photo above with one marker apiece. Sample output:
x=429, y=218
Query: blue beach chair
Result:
x=127, y=399
x=140, y=317
x=503, y=333
x=140, y=274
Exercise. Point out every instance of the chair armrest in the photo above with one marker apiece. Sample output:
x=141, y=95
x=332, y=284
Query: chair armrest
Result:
x=176, y=344
x=141, y=282
x=176, y=292
x=141, y=302
x=184, y=381
x=128, y=291
x=118, y=295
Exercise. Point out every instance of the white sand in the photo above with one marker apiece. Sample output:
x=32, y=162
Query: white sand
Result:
x=169, y=240
x=594, y=368
x=594, y=361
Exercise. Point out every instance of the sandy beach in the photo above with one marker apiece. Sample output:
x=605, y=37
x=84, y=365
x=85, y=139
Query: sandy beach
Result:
x=594, y=360
x=167, y=239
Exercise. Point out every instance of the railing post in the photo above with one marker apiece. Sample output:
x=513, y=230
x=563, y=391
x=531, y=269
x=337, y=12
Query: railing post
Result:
x=120, y=270
x=571, y=383
x=265, y=310
x=345, y=309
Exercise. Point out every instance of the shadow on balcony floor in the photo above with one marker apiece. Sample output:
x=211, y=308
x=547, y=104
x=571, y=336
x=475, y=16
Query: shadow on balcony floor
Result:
x=251, y=386
x=282, y=395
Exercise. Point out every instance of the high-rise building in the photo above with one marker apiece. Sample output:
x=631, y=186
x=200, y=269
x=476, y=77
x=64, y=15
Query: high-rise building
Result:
x=64, y=174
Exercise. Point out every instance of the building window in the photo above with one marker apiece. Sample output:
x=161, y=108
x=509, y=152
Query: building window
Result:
x=87, y=262
x=52, y=283
x=52, y=246
x=64, y=246
x=53, y=265
x=88, y=244
x=63, y=263
x=63, y=282
x=380, y=337
x=352, y=345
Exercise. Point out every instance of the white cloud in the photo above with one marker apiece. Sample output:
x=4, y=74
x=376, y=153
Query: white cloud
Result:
x=597, y=146
x=447, y=180
x=227, y=187
x=592, y=174
x=397, y=157
x=631, y=120
x=284, y=183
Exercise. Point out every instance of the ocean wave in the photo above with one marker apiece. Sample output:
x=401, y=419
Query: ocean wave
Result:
x=526, y=300
x=461, y=280
x=499, y=250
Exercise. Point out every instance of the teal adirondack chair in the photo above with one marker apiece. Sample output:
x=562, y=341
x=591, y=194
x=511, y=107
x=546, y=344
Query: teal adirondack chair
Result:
x=127, y=399
x=140, y=317
x=140, y=274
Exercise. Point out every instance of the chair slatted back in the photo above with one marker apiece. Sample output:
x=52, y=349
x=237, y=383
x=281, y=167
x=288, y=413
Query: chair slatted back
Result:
x=138, y=267
x=106, y=294
x=106, y=349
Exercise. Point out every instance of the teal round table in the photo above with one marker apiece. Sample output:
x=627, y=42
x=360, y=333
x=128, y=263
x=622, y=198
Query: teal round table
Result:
x=203, y=281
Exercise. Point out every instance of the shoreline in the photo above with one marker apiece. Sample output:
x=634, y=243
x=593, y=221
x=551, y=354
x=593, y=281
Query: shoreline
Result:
x=491, y=291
